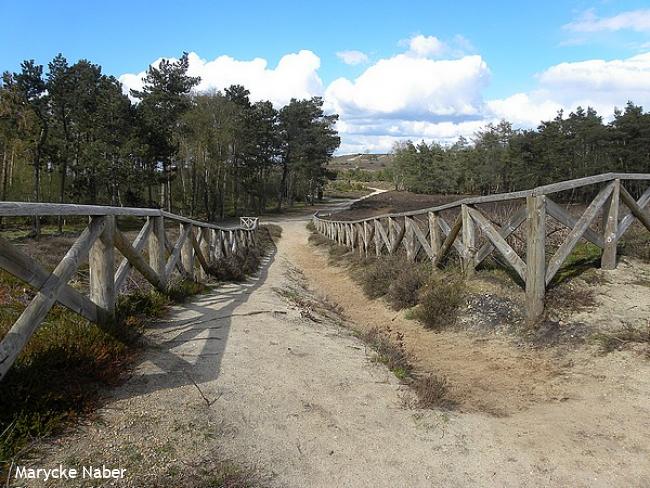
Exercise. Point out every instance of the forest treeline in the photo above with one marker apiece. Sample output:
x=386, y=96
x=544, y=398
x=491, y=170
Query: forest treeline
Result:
x=501, y=159
x=68, y=133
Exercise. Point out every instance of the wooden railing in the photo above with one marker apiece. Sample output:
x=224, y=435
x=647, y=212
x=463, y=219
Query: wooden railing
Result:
x=197, y=241
x=425, y=232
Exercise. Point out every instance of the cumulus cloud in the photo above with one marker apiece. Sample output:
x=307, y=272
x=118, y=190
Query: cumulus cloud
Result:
x=524, y=110
x=426, y=46
x=635, y=20
x=411, y=87
x=596, y=83
x=352, y=57
x=295, y=76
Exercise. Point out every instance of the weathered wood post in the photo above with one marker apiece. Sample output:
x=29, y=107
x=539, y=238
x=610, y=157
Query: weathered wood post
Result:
x=610, y=228
x=187, y=251
x=205, y=251
x=409, y=238
x=101, y=260
x=366, y=238
x=391, y=234
x=377, y=238
x=469, y=240
x=232, y=240
x=213, y=246
x=434, y=235
x=535, y=257
x=157, y=248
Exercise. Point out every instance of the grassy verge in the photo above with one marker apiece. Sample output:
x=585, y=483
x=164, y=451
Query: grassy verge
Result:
x=59, y=374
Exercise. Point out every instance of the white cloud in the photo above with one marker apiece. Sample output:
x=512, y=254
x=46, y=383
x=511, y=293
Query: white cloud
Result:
x=411, y=87
x=635, y=20
x=295, y=76
x=524, y=110
x=630, y=75
x=352, y=57
x=426, y=46
x=596, y=83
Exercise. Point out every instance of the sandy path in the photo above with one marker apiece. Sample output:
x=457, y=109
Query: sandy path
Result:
x=301, y=402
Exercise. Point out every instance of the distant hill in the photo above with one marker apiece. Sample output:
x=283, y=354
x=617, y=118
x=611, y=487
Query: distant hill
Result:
x=368, y=162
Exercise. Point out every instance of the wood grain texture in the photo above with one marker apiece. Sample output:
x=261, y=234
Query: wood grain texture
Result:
x=535, y=257
x=101, y=262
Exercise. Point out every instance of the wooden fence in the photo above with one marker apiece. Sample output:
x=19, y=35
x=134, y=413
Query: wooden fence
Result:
x=425, y=232
x=198, y=243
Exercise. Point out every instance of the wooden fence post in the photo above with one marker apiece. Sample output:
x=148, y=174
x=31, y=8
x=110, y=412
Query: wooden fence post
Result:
x=536, y=257
x=610, y=228
x=187, y=252
x=101, y=260
x=434, y=235
x=409, y=238
x=469, y=240
x=157, y=248
x=377, y=238
x=205, y=249
x=213, y=246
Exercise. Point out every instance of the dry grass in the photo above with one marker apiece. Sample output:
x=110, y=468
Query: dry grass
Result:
x=432, y=392
x=392, y=276
x=391, y=354
x=441, y=299
x=316, y=239
x=574, y=296
x=622, y=339
x=636, y=243
x=404, y=290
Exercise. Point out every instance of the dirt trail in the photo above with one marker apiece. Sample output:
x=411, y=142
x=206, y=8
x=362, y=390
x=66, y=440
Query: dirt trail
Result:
x=302, y=402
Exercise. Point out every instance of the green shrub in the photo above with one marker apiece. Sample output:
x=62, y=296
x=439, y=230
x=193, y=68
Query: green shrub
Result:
x=441, y=299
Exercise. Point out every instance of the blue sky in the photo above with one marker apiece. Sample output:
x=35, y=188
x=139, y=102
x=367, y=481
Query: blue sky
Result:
x=430, y=70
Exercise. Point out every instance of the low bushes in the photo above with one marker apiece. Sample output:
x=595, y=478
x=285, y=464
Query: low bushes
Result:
x=441, y=300
x=405, y=287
